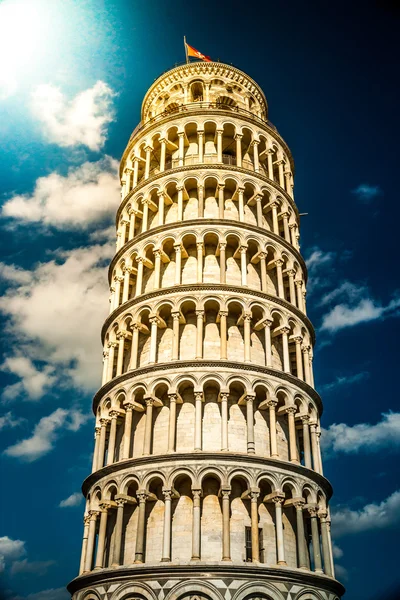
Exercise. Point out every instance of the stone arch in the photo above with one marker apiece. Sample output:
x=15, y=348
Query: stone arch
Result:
x=191, y=589
x=250, y=591
x=133, y=590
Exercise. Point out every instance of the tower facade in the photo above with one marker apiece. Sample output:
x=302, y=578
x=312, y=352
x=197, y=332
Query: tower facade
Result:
x=207, y=476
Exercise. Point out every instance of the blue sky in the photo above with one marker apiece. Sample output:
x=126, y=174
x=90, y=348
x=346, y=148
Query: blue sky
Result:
x=70, y=95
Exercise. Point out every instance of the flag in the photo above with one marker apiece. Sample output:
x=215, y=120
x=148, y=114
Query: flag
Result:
x=193, y=52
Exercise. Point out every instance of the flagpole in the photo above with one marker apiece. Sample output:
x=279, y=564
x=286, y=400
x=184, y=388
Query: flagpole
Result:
x=186, y=52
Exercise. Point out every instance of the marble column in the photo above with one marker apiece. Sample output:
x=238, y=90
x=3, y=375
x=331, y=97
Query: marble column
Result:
x=243, y=265
x=93, y=514
x=268, y=345
x=272, y=428
x=96, y=448
x=306, y=441
x=139, y=550
x=116, y=559
x=200, y=210
x=255, y=543
x=250, y=423
x=175, y=341
x=300, y=535
x=325, y=544
x=238, y=138
x=172, y=422
x=199, y=333
x=111, y=440
x=247, y=336
x=200, y=247
x=126, y=444
x=200, y=141
x=224, y=396
x=86, y=521
x=177, y=249
x=148, y=426
x=280, y=547
x=315, y=539
x=223, y=316
x=222, y=262
x=196, y=524
x=299, y=357
x=198, y=396
x=166, y=544
x=101, y=544
x=226, y=533
x=102, y=443
x=221, y=201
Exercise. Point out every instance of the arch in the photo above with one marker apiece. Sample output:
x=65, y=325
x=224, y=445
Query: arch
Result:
x=266, y=590
x=193, y=588
x=127, y=590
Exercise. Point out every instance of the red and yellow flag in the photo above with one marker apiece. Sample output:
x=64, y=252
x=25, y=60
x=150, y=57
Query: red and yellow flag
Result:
x=190, y=51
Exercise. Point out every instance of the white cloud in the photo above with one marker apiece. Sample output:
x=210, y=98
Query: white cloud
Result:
x=366, y=193
x=38, y=567
x=13, y=274
x=86, y=195
x=73, y=500
x=33, y=382
x=346, y=521
x=10, y=550
x=341, y=573
x=56, y=317
x=344, y=380
x=318, y=258
x=367, y=309
x=348, y=439
x=8, y=420
x=46, y=433
x=347, y=290
x=336, y=550
x=80, y=121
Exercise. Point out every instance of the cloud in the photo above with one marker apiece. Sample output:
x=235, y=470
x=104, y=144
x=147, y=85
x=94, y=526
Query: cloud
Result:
x=51, y=594
x=366, y=193
x=54, y=320
x=73, y=500
x=86, y=195
x=347, y=290
x=345, y=380
x=38, y=567
x=10, y=550
x=367, y=309
x=346, y=521
x=80, y=121
x=34, y=382
x=318, y=258
x=337, y=551
x=341, y=573
x=350, y=439
x=8, y=420
x=45, y=434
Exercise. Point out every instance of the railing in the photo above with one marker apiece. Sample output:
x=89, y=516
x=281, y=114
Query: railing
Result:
x=192, y=106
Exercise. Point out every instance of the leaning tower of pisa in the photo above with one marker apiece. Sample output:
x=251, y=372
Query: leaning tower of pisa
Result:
x=207, y=478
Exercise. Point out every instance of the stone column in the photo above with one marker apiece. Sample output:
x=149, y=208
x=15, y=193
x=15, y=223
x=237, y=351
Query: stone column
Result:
x=299, y=357
x=111, y=439
x=180, y=203
x=128, y=176
x=157, y=269
x=222, y=262
x=292, y=291
x=145, y=218
x=139, y=276
x=126, y=444
x=196, y=525
x=111, y=346
x=166, y=547
x=125, y=287
x=318, y=435
x=139, y=551
x=200, y=210
x=91, y=540
x=281, y=175
x=275, y=226
x=153, y=339
x=306, y=364
x=293, y=239
x=299, y=285
x=238, y=138
x=112, y=299
x=181, y=151
x=247, y=336
x=300, y=537
x=255, y=543
x=116, y=560
x=148, y=426
x=135, y=171
x=288, y=182
x=255, y=156
x=175, y=340
x=263, y=269
x=121, y=336
x=86, y=521
x=219, y=145
x=280, y=547
x=105, y=367
x=285, y=345
x=315, y=539
x=163, y=143
x=270, y=164
x=272, y=428
x=198, y=396
x=135, y=346
x=291, y=410
x=161, y=206
x=259, y=211
x=306, y=441
x=325, y=544
x=199, y=333
x=172, y=422
x=224, y=421
x=177, y=249
x=314, y=446
x=279, y=276
x=250, y=424
x=221, y=201
x=99, y=563
x=240, y=191
x=285, y=216
x=96, y=448
x=199, y=262
x=102, y=443
x=268, y=346
x=118, y=280
x=148, y=150
x=226, y=533
x=243, y=265
x=200, y=142
x=223, y=315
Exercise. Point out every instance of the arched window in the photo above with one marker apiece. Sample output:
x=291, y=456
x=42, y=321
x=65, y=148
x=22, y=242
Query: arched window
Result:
x=197, y=91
